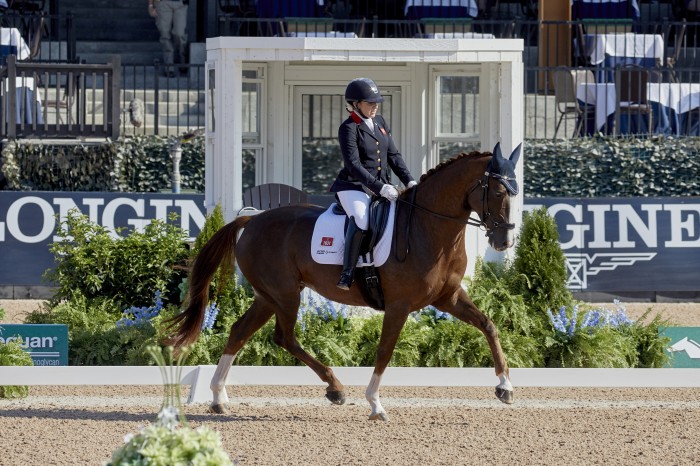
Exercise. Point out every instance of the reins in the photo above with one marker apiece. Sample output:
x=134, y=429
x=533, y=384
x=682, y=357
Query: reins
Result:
x=485, y=214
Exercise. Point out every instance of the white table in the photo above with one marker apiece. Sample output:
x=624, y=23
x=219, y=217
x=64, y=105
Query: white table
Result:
x=602, y=95
x=458, y=35
x=604, y=8
x=679, y=97
x=470, y=5
x=12, y=43
x=627, y=45
x=351, y=35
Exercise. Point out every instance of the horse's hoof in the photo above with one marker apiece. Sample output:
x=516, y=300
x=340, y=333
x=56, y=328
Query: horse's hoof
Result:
x=504, y=395
x=378, y=417
x=217, y=409
x=337, y=397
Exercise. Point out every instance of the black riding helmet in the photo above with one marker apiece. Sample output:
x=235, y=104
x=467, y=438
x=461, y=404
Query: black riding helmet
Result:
x=362, y=89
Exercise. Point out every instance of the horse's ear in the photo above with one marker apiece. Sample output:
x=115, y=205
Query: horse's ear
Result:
x=516, y=154
x=497, y=151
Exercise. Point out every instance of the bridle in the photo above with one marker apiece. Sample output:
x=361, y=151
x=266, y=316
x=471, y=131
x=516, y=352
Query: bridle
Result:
x=481, y=223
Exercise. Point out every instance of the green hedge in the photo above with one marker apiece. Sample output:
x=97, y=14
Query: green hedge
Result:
x=609, y=167
x=584, y=167
x=130, y=164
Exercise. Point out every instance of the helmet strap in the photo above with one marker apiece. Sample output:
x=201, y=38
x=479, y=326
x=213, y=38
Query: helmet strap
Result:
x=357, y=109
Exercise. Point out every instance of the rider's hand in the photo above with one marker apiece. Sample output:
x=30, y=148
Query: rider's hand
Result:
x=411, y=184
x=389, y=192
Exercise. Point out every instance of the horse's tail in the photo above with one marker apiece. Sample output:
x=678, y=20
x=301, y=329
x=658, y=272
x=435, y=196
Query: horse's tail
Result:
x=218, y=251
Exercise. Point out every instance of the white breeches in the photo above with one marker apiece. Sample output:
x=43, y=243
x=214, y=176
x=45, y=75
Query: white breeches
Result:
x=356, y=205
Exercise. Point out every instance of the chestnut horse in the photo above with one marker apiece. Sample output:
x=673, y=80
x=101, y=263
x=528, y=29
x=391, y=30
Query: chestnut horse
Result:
x=274, y=254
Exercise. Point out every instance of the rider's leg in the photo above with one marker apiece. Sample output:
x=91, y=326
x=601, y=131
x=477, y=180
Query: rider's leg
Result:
x=353, y=240
x=355, y=204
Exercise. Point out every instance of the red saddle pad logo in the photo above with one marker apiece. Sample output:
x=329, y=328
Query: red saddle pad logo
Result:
x=327, y=241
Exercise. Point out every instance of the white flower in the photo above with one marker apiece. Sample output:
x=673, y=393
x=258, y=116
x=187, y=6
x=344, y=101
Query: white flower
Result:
x=168, y=417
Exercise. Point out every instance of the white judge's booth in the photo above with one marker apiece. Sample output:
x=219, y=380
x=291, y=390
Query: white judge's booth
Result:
x=274, y=104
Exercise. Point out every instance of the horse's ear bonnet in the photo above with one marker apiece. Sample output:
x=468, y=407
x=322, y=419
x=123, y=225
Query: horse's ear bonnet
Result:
x=504, y=169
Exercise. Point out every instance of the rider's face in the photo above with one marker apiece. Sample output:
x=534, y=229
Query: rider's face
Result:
x=368, y=109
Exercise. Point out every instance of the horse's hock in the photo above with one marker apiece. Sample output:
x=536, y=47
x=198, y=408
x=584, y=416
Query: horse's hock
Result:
x=412, y=69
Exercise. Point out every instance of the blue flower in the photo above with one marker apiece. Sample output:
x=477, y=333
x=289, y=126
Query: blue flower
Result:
x=325, y=309
x=592, y=320
x=141, y=315
x=210, y=314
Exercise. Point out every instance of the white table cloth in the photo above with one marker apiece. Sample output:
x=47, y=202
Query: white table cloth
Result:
x=602, y=95
x=627, y=45
x=11, y=40
x=679, y=97
x=459, y=35
x=470, y=5
x=322, y=34
x=603, y=8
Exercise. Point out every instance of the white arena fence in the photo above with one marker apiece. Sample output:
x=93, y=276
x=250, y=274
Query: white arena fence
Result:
x=198, y=377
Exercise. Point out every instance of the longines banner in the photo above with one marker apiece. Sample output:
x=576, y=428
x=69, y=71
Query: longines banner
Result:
x=628, y=244
x=28, y=222
x=610, y=244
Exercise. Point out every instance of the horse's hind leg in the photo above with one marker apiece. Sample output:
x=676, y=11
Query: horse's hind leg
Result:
x=285, y=338
x=254, y=318
x=460, y=306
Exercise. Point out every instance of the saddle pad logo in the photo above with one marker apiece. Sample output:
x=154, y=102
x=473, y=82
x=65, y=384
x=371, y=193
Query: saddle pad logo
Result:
x=327, y=241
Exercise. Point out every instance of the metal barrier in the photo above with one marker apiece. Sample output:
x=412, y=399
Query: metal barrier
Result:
x=41, y=100
x=50, y=38
x=672, y=107
x=170, y=105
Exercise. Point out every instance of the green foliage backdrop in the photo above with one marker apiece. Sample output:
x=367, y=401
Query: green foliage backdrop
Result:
x=588, y=167
x=608, y=167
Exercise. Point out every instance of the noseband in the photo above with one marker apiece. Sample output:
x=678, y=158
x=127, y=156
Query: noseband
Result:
x=485, y=213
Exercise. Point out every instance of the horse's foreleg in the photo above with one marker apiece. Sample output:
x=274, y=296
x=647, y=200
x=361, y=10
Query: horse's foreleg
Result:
x=285, y=338
x=254, y=318
x=464, y=309
x=391, y=328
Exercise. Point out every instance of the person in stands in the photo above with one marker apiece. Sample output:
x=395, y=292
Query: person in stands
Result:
x=171, y=21
x=368, y=153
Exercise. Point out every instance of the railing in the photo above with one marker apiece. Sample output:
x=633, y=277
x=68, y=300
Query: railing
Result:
x=169, y=106
x=42, y=100
x=172, y=106
x=51, y=38
x=551, y=45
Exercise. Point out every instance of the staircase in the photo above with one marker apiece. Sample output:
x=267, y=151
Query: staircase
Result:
x=105, y=28
x=106, y=20
x=131, y=52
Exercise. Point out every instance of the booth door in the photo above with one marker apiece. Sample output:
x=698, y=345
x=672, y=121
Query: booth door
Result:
x=318, y=112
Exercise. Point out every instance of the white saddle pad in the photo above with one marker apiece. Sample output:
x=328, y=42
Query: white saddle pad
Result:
x=328, y=240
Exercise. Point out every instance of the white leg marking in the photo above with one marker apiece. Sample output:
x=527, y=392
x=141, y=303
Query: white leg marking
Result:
x=218, y=382
x=505, y=382
x=372, y=396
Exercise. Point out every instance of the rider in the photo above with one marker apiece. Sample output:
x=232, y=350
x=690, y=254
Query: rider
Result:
x=368, y=153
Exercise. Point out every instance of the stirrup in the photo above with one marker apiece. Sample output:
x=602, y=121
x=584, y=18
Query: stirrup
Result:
x=345, y=281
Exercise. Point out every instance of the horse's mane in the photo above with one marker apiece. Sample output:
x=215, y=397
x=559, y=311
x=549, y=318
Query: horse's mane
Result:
x=442, y=165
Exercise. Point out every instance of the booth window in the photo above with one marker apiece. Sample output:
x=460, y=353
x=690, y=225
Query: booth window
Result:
x=212, y=99
x=456, y=115
x=252, y=125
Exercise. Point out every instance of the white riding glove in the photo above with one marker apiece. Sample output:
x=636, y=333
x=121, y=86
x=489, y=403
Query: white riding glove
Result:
x=411, y=184
x=389, y=192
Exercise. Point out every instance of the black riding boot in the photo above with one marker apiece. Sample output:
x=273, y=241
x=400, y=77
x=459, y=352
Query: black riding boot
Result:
x=353, y=240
